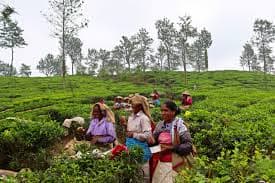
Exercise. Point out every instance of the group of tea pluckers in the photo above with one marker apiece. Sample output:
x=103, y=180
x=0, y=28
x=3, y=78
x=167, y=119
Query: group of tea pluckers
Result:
x=167, y=145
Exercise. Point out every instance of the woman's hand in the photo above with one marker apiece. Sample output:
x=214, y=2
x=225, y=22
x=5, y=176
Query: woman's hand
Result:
x=80, y=129
x=94, y=139
x=130, y=134
x=166, y=147
x=123, y=121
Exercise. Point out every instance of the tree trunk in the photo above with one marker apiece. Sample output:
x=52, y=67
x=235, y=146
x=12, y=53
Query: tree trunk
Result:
x=11, y=66
x=143, y=62
x=168, y=57
x=184, y=66
x=168, y=61
x=63, y=44
x=129, y=66
x=72, y=68
x=206, y=59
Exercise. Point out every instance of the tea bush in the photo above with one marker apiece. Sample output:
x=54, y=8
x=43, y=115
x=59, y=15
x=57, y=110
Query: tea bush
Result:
x=88, y=168
x=21, y=140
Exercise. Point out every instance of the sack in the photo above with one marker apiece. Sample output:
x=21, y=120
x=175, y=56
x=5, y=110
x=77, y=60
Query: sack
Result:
x=187, y=161
x=180, y=162
x=132, y=142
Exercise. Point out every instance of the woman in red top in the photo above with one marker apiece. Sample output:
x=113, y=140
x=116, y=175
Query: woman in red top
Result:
x=174, y=139
x=186, y=101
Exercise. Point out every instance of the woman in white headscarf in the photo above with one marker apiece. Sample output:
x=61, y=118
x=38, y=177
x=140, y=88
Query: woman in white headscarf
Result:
x=139, y=130
x=101, y=130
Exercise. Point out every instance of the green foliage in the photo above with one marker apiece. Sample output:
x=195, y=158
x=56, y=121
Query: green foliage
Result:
x=88, y=168
x=22, y=142
x=231, y=166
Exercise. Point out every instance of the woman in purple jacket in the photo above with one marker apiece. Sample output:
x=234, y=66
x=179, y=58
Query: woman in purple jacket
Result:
x=101, y=130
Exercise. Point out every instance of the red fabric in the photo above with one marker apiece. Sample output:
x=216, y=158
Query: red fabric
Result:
x=153, y=162
x=117, y=150
x=166, y=139
x=155, y=96
x=187, y=101
x=165, y=156
x=153, y=126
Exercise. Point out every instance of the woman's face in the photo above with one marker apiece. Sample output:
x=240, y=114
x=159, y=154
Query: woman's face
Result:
x=136, y=108
x=167, y=114
x=97, y=113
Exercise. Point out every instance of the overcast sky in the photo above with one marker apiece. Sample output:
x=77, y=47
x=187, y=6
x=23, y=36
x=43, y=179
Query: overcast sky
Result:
x=229, y=21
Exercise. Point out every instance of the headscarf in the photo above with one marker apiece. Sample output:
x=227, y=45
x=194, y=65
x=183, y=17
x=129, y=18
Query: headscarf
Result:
x=139, y=99
x=186, y=93
x=109, y=114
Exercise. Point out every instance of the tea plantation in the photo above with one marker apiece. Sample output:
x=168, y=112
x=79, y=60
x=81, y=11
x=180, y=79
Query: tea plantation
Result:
x=232, y=123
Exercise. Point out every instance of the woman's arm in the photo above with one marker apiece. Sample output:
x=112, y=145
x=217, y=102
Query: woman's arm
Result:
x=185, y=146
x=145, y=130
x=110, y=136
x=91, y=126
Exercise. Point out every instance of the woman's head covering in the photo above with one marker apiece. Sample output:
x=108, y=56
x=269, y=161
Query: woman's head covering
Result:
x=109, y=114
x=139, y=99
x=186, y=93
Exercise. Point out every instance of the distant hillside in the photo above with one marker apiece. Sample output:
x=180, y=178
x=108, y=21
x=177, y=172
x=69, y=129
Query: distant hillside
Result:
x=38, y=97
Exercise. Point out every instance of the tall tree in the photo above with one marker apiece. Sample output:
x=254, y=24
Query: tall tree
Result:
x=45, y=65
x=248, y=56
x=80, y=69
x=67, y=19
x=57, y=65
x=73, y=49
x=11, y=35
x=92, y=61
x=144, y=43
x=196, y=55
x=160, y=57
x=255, y=65
x=206, y=41
x=127, y=49
x=270, y=64
x=166, y=34
x=25, y=70
x=115, y=64
x=103, y=57
x=50, y=65
x=185, y=32
x=264, y=35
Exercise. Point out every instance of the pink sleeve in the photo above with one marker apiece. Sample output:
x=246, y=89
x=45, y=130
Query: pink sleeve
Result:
x=189, y=101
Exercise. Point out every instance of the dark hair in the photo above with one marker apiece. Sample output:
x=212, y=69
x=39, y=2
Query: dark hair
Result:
x=102, y=112
x=172, y=106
